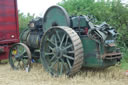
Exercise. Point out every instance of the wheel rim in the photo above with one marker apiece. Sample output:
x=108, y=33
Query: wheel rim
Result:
x=20, y=57
x=57, y=52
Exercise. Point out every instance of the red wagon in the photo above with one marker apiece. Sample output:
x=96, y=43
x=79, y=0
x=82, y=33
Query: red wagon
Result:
x=10, y=48
x=9, y=28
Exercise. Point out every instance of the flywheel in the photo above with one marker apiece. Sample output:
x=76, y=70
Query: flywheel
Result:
x=61, y=51
x=55, y=16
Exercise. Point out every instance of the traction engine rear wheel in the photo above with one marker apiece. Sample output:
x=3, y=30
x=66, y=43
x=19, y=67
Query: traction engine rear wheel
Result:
x=61, y=51
x=20, y=57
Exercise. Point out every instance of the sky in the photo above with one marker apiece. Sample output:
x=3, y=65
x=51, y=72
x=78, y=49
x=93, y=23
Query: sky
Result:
x=38, y=7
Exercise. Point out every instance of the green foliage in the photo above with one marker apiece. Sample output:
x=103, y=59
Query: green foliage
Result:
x=124, y=60
x=112, y=11
x=24, y=20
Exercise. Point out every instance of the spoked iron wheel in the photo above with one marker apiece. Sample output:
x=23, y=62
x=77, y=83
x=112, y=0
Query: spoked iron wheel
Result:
x=61, y=51
x=20, y=57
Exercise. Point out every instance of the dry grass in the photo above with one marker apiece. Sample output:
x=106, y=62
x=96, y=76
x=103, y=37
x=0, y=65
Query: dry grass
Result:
x=37, y=76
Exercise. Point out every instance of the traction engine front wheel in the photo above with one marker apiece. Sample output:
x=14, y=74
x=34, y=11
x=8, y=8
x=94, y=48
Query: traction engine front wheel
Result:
x=20, y=57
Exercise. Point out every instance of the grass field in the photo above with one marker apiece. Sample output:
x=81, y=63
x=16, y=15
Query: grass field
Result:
x=37, y=76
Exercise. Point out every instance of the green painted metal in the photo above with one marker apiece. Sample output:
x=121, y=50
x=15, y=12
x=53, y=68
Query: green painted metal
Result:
x=93, y=54
x=55, y=16
x=79, y=21
x=24, y=35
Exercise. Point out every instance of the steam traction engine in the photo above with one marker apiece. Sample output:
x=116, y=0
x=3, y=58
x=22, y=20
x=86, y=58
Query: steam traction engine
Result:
x=64, y=44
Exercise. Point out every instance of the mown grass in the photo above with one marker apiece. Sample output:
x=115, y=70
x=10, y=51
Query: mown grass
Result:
x=114, y=75
x=38, y=76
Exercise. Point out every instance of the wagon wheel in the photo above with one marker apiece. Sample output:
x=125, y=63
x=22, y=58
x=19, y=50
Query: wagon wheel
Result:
x=20, y=57
x=61, y=51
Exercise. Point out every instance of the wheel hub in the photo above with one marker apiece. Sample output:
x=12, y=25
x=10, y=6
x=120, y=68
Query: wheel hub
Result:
x=58, y=52
x=17, y=58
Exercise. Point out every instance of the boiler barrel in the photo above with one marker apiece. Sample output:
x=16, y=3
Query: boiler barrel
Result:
x=32, y=39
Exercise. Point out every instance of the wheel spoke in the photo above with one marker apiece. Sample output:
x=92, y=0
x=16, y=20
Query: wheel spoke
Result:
x=70, y=52
x=50, y=48
x=69, y=64
x=58, y=67
x=56, y=42
x=68, y=47
x=53, y=63
x=62, y=40
x=18, y=65
x=57, y=34
x=21, y=49
x=14, y=60
x=62, y=61
x=26, y=57
x=20, y=55
x=61, y=68
x=23, y=53
x=51, y=42
x=24, y=64
x=69, y=57
x=49, y=54
x=53, y=57
x=66, y=41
